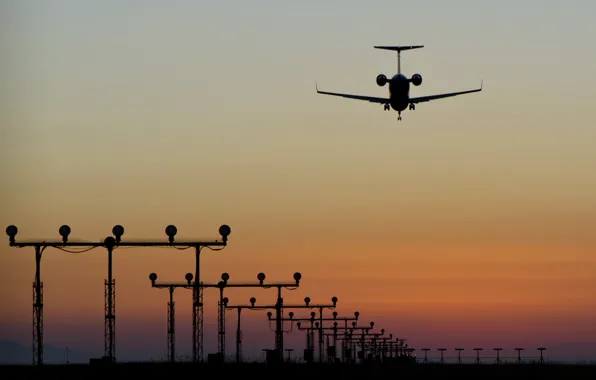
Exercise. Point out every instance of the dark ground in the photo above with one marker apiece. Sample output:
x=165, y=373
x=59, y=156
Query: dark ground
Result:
x=309, y=371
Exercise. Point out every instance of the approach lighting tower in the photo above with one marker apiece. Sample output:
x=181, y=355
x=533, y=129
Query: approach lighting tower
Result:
x=111, y=243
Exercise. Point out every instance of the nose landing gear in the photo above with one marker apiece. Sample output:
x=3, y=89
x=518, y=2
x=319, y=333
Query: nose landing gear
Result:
x=398, y=115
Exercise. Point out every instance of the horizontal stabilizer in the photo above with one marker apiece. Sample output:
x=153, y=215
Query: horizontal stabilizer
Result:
x=399, y=48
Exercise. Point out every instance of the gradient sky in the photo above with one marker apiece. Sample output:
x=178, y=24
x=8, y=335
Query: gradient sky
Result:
x=469, y=223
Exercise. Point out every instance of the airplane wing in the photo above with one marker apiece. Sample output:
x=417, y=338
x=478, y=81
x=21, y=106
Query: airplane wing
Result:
x=428, y=98
x=371, y=99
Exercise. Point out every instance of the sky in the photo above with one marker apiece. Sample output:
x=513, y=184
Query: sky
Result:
x=468, y=223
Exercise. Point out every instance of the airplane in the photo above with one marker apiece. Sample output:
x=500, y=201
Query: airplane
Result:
x=399, y=87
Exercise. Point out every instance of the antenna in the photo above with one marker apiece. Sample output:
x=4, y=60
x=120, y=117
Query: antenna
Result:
x=399, y=49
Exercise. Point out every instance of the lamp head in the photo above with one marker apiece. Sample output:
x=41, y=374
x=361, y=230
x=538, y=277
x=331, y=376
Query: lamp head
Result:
x=356, y=314
x=313, y=314
x=253, y=300
x=64, y=231
x=307, y=300
x=225, y=301
x=109, y=242
x=269, y=314
x=118, y=231
x=188, y=277
x=334, y=314
x=353, y=324
x=171, y=231
x=372, y=324
x=297, y=277
x=12, y=231
x=298, y=324
x=225, y=231
x=153, y=278
x=334, y=301
x=225, y=277
x=291, y=314
x=335, y=324
x=221, y=285
x=261, y=277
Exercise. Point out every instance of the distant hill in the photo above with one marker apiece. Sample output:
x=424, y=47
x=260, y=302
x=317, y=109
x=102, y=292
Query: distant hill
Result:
x=15, y=353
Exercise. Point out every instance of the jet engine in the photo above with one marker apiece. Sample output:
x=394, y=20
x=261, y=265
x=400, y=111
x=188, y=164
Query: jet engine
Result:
x=381, y=80
x=416, y=79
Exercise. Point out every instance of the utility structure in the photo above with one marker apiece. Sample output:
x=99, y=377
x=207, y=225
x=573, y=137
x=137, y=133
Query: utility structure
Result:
x=374, y=337
x=498, y=360
x=425, y=355
x=362, y=338
x=307, y=305
x=377, y=346
x=459, y=350
x=519, y=359
x=364, y=332
x=321, y=328
x=541, y=349
x=279, y=306
x=223, y=305
x=477, y=355
x=441, y=350
x=171, y=309
x=110, y=243
x=191, y=285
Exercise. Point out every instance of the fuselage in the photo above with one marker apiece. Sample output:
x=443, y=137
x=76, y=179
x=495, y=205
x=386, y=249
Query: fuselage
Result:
x=399, y=92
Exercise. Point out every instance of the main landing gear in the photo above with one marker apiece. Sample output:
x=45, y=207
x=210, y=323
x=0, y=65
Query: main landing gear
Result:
x=386, y=107
x=412, y=106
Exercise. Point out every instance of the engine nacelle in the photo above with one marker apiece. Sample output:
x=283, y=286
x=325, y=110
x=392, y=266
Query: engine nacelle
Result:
x=416, y=79
x=381, y=80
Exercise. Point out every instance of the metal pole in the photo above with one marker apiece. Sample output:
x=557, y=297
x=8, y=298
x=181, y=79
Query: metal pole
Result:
x=38, y=310
x=279, y=346
x=221, y=348
x=239, y=339
x=197, y=312
x=110, y=317
x=171, y=327
x=321, y=341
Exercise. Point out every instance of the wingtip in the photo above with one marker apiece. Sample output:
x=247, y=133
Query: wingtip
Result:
x=481, y=83
x=316, y=86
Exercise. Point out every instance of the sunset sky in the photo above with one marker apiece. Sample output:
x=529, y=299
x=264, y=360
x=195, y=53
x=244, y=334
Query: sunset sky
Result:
x=469, y=223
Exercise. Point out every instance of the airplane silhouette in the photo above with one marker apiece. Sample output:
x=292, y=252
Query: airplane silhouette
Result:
x=399, y=87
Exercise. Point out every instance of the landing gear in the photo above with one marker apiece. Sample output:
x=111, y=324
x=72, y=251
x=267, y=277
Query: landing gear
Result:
x=386, y=107
x=412, y=106
x=399, y=116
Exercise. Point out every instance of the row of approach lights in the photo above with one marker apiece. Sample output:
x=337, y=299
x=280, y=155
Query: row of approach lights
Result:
x=225, y=277
x=118, y=231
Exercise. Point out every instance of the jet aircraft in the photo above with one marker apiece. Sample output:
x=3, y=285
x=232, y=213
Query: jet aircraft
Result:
x=399, y=87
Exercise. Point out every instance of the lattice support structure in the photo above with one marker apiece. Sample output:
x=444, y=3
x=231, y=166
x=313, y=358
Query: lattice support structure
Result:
x=239, y=346
x=197, y=325
x=110, y=320
x=221, y=329
x=37, y=323
x=171, y=332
